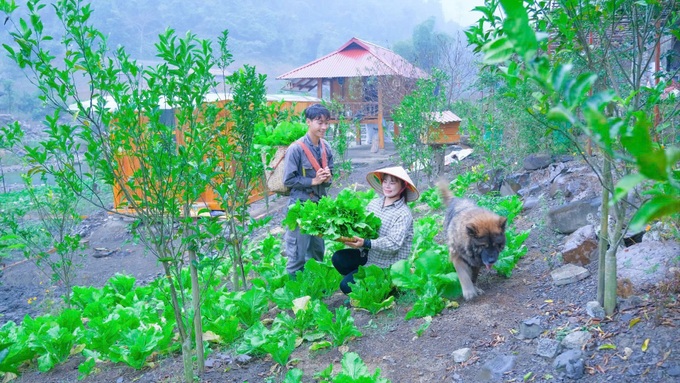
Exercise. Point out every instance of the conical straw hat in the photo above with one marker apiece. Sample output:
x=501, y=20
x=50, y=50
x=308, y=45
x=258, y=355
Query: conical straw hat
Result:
x=375, y=178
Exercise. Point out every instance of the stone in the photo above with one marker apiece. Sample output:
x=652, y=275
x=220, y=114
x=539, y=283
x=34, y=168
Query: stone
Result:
x=242, y=358
x=674, y=370
x=569, y=217
x=547, y=348
x=530, y=328
x=571, y=362
x=580, y=247
x=515, y=182
x=568, y=273
x=646, y=263
x=594, y=310
x=461, y=355
x=500, y=365
x=629, y=303
x=576, y=340
x=530, y=203
x=537, y=161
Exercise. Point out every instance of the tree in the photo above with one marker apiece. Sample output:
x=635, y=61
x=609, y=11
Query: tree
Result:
x=415, y=116
x=600, y=92
x=117, y=133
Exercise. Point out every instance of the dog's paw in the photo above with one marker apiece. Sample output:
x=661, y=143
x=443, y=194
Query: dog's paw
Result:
x=471, y=294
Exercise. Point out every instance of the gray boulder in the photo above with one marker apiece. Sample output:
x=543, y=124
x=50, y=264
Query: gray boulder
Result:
x=568, y=218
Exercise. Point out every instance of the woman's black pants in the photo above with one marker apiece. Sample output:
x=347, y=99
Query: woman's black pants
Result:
x=347, y=262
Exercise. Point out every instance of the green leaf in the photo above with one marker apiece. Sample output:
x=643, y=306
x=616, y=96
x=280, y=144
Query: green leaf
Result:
x=497, y=51
x=654, y=208
x=626, y=184
x=516, y=27
x=561, y=115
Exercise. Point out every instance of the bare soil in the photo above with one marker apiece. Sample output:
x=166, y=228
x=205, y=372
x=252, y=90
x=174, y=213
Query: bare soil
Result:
x=487, y=325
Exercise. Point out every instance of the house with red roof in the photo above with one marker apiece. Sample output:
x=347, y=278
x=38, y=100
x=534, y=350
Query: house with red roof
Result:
x=366, y=79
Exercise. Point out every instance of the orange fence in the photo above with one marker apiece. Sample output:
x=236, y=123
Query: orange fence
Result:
x=208, y=199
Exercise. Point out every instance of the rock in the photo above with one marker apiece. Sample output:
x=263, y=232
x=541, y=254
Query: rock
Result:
x=576, y=340
x=580, y=247
x=564, y=158
x=646, y=263
x=531, y=190
x=556, y=170
x=570, y=362
x=537, y=161
x=530, y=328
x=547, y=348
x=499, y=365
x=461, y=355
x=568, y=218
x=530, y=203
x=574, y=184
x=568, y=274
x=515, y=182
x=674, y=370
x=630, y=303
x=594, y=310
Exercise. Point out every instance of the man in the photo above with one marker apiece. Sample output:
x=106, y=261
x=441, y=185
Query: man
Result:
x=307, y=183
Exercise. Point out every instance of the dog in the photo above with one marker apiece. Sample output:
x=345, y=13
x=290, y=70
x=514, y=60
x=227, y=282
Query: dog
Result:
x=475, y=237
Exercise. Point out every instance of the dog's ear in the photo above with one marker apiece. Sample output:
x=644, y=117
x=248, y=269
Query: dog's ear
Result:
x=471, y=230
x=501, y=222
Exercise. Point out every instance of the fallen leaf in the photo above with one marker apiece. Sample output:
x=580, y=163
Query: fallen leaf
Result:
x=633, y=322
x=607, y=346
x=645, y=344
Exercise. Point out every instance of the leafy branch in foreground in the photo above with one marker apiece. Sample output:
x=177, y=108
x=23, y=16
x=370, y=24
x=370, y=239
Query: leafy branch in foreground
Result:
x=343, y=216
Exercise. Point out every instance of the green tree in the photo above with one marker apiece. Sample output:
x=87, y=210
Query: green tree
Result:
x=415, y=117
x=119, y=134
x=599, y=92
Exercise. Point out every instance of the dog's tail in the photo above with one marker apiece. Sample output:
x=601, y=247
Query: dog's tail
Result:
x=444, y=191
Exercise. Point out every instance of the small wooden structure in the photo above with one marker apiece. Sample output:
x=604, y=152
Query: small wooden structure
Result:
x=367, y=79
x=208, y=199
x=445, y=129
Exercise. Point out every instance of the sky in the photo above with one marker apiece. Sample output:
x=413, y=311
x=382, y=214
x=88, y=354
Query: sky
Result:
x=461, y=12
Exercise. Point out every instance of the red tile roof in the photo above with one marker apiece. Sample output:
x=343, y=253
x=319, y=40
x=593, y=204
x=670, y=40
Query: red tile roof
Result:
x=356, y=58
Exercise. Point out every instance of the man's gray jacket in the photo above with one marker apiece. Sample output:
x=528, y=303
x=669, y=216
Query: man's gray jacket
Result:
x=298, y=172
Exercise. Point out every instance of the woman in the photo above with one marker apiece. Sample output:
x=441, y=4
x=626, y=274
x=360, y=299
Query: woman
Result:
x=396, y=232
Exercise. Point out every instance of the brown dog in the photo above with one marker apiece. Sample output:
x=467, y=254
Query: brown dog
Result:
x=475, y=237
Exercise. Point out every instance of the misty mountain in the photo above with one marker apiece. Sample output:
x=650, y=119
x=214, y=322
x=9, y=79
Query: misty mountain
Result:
x=275, y=35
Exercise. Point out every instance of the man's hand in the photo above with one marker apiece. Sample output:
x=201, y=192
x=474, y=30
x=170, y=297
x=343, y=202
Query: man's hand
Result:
x=322, y=175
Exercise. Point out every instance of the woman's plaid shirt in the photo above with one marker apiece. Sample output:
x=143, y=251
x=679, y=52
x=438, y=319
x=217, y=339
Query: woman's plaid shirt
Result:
x=396, y=233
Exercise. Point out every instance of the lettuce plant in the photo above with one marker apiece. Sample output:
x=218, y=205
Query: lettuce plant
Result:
x=371, y=290
x=343, y=216
x=353, y=369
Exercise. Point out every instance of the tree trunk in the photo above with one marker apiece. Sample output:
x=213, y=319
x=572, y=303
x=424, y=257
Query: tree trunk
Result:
x=610, y=281
x=196, y=303
x=177, y=309
x=603, y=239
x=186, y=361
